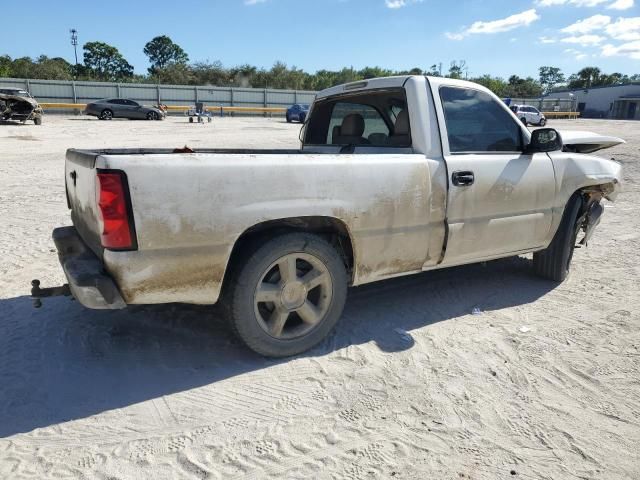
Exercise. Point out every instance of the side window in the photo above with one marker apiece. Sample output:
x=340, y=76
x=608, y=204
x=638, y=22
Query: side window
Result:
x=476, y=122
x=115, y=101
x=377, y=118
x=131, y=103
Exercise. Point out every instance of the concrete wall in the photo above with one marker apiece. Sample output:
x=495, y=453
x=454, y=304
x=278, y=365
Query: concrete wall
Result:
x=598, y=101
x=60, y=91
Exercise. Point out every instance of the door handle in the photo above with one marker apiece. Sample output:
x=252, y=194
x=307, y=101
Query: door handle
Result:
x=463, y=178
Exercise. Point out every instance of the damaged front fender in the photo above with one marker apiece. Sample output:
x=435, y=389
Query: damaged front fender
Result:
x=20, y=108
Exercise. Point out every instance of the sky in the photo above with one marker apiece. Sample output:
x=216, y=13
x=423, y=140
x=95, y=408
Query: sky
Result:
x=497, y=37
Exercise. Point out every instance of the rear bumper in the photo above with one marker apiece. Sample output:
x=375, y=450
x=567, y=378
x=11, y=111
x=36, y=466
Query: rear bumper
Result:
x=88, y=281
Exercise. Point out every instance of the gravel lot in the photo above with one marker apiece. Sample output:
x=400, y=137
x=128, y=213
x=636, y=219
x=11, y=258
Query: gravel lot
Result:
x=544, y=382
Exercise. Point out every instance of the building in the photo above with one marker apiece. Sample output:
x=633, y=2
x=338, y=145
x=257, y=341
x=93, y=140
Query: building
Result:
x=615, y=101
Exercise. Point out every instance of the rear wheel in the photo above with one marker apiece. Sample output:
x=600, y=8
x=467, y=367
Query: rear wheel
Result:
x=554, y=261
x=152, y=116
x=524, y=121
x=302, y=117
x=543, y=122
x=106, y=114
x=288, y=118
x=288, y=295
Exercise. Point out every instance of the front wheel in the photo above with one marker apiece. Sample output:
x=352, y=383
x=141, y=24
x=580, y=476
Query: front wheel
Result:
x=543, y=122
x=524, y=121
x=288, y=118
x=288, y=295
x=302, y=118
x=152, y=116
x=37, y=120
x=554, y=262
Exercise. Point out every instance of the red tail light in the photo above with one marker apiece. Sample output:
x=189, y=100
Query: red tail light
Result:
x=115, y=211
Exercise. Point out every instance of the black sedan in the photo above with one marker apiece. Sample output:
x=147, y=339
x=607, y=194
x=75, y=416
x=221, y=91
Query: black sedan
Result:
x=109, y=108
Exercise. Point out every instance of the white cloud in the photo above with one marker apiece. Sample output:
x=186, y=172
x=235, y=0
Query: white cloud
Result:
x=497, y=26
x=621, y=5
x=576, y=53
x=630, y=49
x=584, y=40
x=253, y=2
x=597, y=22
x=400, y=3
x=577, y=3
x=625, y=29
x=546, y=40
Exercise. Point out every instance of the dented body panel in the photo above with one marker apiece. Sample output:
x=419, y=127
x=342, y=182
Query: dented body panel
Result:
x=185, y=238
x=20, y=107
x=399, y=207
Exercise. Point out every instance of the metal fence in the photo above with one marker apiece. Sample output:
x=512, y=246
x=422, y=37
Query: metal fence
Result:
x=63, y=91
x=548, y=104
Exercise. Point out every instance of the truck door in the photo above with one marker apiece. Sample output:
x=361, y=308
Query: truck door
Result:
x=500, y=199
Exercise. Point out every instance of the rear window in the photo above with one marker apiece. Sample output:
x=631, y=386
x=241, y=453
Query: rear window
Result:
x=375, y=118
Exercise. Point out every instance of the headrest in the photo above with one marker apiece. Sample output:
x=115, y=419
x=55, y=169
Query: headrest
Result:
x=352, y=125
x=402, y=123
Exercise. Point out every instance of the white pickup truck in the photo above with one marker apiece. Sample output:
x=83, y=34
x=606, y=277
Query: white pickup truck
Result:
x=394, y=176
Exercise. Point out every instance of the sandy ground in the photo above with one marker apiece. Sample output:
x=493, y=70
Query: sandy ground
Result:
x=544, y=382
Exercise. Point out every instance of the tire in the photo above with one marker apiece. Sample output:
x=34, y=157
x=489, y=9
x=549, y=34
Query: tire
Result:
x=302, y=118
x=152, y=116
x=293, y=316
x=288, y=118
x=554, y=262
x=37, y=120
x=524, y=121
x=190, y=119
x=106, y=114
x=543, y=122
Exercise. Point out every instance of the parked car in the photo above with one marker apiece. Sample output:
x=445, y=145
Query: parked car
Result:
x=395, y=176
x=298, y=113
x=109, y=108
x=18, y=104
x=529, y=115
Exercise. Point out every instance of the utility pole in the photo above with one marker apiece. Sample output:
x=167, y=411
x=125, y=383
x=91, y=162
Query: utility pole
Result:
x=74, y=42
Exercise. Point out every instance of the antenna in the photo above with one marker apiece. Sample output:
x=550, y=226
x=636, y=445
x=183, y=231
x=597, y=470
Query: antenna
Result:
x=74, y=42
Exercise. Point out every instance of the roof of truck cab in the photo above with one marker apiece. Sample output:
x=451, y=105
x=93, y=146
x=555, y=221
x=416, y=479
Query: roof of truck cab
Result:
x=393, y=82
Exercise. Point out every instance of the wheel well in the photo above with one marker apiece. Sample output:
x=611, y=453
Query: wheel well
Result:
x=331, y=229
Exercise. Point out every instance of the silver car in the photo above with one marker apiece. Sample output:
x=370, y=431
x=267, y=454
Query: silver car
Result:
x=529, y=115
x=109, y=108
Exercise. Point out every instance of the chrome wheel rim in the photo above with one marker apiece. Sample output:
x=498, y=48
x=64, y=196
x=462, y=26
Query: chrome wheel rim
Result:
x=293, y=296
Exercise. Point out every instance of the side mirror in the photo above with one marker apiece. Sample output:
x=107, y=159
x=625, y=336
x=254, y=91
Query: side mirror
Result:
x=544, y=140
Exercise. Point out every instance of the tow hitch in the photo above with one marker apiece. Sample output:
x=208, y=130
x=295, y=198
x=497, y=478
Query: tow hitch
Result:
x=37, y=293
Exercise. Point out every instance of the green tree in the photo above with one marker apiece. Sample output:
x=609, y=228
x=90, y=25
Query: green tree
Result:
x=162, y=53
x=586, y=78
x=434, y=71
x=211, y=73
x=105, y=62
x=550, y=77
x=5, y=66
x=523, y=87
x=496, y=84
x=456, y=69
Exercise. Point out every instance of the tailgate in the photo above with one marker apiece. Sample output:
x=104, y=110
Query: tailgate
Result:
x=80, y=181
